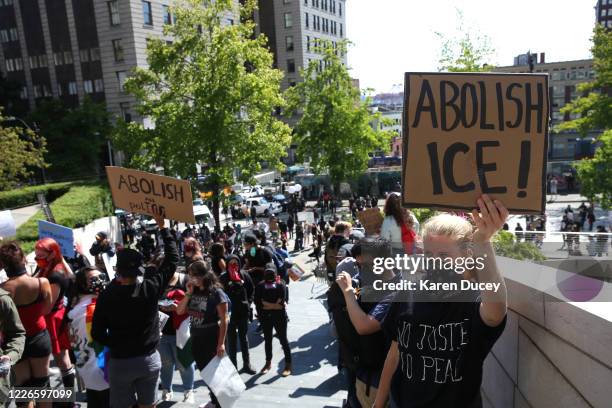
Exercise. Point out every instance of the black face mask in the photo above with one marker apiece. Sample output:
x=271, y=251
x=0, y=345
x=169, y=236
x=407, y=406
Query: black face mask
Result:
x=15, y=272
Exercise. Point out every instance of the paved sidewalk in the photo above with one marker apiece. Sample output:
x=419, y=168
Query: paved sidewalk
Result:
x=23, y=214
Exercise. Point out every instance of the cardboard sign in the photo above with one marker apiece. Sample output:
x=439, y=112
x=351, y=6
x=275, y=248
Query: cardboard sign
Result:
x=64, y=236
x=371, y=219
x=468, y=134
x=7, y=224
x=145, y=193
x=306, y=216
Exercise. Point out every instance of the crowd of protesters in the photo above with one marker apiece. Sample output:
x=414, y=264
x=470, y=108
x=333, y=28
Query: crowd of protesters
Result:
x=179, y=297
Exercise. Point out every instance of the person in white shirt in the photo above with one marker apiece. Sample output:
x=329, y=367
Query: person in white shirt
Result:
x=395, y=217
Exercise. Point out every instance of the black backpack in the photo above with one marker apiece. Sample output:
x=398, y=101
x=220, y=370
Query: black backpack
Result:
x=356, y=351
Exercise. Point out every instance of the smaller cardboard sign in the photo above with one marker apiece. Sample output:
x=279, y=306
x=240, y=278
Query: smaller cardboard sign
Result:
x=306, y=216
x=371, y=219
x=146, y=193
x=7, y=224
x=64, y=236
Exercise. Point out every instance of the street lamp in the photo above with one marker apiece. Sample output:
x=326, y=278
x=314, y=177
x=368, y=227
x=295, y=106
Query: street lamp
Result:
x=36, y=129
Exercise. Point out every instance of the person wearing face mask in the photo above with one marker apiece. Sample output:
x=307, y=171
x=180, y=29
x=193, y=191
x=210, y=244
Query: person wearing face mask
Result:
x=270, y=301
x=192, y=251
x=126, y=320
x=256, y=258
x=168, y=349
x=51, y=265
x=451, y=376
x=33, y=299
x=89, y=282
x=358, y=313
x=239, y=288
x=207, y=305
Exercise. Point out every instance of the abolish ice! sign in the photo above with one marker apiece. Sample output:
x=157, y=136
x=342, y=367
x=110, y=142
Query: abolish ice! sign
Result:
x=145, y=193
x=467, y=134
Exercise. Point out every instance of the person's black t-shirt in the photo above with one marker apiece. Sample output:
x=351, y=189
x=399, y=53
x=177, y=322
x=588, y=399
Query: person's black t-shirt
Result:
x=442, y=347
x=261, y=258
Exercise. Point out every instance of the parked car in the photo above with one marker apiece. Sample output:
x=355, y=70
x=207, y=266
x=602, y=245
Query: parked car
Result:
x=203, y=215
x=263, y=206
x=251, y=191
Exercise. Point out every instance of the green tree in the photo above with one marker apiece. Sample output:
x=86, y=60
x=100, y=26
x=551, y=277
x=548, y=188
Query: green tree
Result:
x=505, y=244
x=22, y=151
x=211, y=94
x=465, y=50
x=75, y=137
x=335, y=130
x=594, y=111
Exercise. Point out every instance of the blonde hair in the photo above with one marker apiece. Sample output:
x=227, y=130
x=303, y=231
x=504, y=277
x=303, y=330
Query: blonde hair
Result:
x=449, y=225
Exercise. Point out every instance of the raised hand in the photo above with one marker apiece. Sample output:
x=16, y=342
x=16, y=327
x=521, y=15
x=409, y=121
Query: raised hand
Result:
x=492, y=217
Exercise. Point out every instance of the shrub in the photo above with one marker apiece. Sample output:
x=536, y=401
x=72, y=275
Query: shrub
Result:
x=505, y=244
x=79, y=206
x=423, y=214
x=27, y=195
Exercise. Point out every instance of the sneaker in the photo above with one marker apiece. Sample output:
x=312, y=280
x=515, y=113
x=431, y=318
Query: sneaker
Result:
x=167, y=395
x=266, y=368
x=189, y=397
x=247, y=369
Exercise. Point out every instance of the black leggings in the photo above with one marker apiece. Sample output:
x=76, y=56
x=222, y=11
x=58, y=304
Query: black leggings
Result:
x=277, y=320
x=237, y=330
x=98, y=399
x=204, y=349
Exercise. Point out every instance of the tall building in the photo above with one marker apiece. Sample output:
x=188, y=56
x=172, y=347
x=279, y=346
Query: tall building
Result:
x=69, y=49
x=294, y=27
x=603, y=12
x=568, y=146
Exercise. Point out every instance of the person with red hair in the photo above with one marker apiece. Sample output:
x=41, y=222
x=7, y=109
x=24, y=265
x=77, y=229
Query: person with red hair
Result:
x=51, y=265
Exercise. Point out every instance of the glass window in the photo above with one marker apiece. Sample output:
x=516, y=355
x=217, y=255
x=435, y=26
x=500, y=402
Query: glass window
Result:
x=4, y=37
x=72, y=88
x=341, y=34
x=289, y=42
x=306, y=15
x=124, y=107
x=288, y=20
x=33, y=62
x=23, y=94
x=58, y=58
x=84, y=55
x=95, y=54
x=167, y=14
x=340, y=9
x=147, y=12
x=88, y=86
x=305, y=2
x=60, y=89
x=118, y=50
x=13, y=34
x=99, y=85
x=121, y=77
x=46, y=90
x=290, y=65
x=67, y=57
x=113, y=12
x=307, y=43
x=37, y=91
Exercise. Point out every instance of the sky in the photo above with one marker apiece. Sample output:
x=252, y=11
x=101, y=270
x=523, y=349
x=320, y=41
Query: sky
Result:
x=391, y=37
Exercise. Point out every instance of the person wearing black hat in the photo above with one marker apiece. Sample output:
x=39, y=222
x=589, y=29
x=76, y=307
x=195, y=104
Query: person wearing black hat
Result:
x=270, y=301
x=256, y=258
x=126, y=321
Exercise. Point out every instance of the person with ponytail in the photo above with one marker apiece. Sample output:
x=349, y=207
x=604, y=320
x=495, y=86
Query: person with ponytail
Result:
x=399, y=226
x=51, y=265
x=89, y=282
x=33, y=298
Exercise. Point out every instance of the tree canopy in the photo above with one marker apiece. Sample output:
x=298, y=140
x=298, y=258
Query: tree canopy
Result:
x=335, y=129
x=593, y=109
x=22, y=152
x=211, y=94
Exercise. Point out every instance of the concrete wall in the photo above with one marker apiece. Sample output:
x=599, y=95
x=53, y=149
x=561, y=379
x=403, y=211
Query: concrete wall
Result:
x=553, y=353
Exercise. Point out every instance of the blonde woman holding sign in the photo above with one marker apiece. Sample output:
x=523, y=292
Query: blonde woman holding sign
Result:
x=439, y=347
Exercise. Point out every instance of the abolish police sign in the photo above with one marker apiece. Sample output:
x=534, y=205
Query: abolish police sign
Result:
x=467, y=134
x=145, y=193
